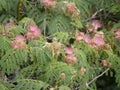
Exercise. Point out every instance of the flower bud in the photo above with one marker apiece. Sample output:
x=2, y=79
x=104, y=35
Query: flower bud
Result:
x=104, y=63
x=70, y=59
x=62, y=76
x=82, y=71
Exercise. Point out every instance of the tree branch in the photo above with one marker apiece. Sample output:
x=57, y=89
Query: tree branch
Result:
x=87, y=84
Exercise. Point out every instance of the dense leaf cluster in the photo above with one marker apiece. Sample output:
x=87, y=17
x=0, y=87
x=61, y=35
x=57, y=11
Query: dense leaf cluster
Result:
x=59, y=44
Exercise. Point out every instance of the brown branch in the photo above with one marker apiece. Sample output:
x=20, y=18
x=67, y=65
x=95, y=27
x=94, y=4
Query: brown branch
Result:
x=87, y=84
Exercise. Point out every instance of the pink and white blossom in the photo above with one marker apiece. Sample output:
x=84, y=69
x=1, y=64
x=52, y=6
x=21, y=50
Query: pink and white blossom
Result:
x=79, y=36
x=69, y=50
x=71, y=8
x=96, y=24
x=33, y=32
x=87, y=38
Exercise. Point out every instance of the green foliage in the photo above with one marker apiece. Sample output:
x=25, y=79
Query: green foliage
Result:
x=56, y=68
x=64, y=88
x=29, y=84
x=12, y=60
x=5, y=85
x=43, y=63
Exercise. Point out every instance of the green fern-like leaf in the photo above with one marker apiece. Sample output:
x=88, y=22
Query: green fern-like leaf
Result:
x=54, y=70
x=12, y=60
x=6, y=85
x=29, y=84
x=5, y=45
x=64, y=88
x=59, y=23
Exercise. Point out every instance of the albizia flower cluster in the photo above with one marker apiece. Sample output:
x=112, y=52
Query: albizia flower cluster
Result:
x=49, y=3
x=70, y=57
x=97, y=41
x=32, y=34
x=55, y=47
x=117, y=34
x=95, y=24
x=71, y=8
x=19, y=42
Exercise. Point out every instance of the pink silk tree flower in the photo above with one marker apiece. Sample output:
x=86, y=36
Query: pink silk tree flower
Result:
x=90, y=28
x=87, y=38
x=36, y=33
x=96, y=24
x=33, y=28
x=30, y=35
x=49, y=3
x=100, y=34
x=46, y=2
x=74, y=60
x=14, y=44
x=117, y=32
x=79, y=36
x=69, y=50
x=117, y=37
x=20, y=38
x=70, y=59
x=99, y=41
x=33, y=32
x=71, y=8
x=18, y=44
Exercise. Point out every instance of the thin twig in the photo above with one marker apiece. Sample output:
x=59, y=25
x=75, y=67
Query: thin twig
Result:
x=44, y=25
x=94, y=15
x=87, y=84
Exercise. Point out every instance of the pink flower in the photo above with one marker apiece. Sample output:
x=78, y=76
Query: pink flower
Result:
x=70, y=59
x=90, y=28
x=44, y=1
x=71, y=8
x=18, y=44
x=117, y=37
x=99, y=41
x=33, y=28
x=73, y=60
x=87, y=38
x=79, y=36
x=14, y=44
x=20, y=38
x=33, y=32
x=49, y=3
x=96, y=24
x=117, y=32
x=36, y=33
x=99, y=34
x=69, y=50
